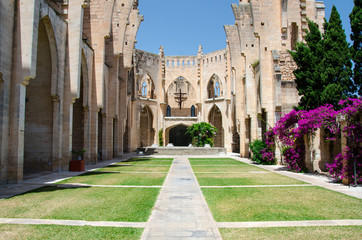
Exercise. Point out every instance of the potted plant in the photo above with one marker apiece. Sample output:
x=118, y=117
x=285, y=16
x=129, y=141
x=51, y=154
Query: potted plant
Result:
x=77, y=163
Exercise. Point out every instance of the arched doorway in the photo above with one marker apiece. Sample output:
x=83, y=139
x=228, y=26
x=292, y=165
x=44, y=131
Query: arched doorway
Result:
x=215, y=118
x=146, y=127
x=38, y=135
x=178, y=137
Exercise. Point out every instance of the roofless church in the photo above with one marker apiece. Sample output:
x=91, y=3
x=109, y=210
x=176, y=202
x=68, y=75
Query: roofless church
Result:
x=71, y=78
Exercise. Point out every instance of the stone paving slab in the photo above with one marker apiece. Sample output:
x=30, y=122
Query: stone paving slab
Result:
x=71, y=222
x=311, y=223
x=181, y=211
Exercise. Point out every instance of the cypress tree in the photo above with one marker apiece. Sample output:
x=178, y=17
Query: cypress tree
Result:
x=324, y=65
x=337, y=62
x=308, y=57
x=356, y=27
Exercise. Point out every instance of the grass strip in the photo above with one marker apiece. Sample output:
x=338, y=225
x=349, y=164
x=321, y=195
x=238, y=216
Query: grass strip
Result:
x=40, y=232
x=147, y=161
x=235, y=168
x=215, y=161
x=125, y=168
x=115, y=178
x=236, y=179
x=280, y=204
x=293, y=233
x=85, y=203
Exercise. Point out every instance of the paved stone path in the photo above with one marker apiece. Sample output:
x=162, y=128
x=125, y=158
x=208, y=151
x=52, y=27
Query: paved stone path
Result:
x=181, y=211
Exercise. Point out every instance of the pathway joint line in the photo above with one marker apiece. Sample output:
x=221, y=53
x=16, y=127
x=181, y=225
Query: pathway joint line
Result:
x=260, y=186
x=308, y=223
x=70, y=185
x=29, y=221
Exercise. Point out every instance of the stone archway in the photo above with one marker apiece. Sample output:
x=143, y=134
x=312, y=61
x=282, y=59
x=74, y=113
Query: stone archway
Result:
x=38, y=135
x=215, y=118
x=178, y=137
x=146, y=127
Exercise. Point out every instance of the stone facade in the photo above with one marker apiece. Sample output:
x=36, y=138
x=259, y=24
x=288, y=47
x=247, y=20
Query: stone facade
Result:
x=70, y=78
x=240, y=89
x=64, y=66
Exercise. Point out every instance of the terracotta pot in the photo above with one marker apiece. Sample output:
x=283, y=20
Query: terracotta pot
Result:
x=76, y=165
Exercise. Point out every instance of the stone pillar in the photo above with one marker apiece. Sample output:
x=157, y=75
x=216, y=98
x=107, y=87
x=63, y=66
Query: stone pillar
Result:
x=87, y=134
x=17, y=127
x=343, y=123
x=57, y=133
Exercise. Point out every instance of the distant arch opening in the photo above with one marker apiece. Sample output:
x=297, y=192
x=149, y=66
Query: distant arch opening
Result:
x=146, y=129
x=215, y=118
x=178, y=136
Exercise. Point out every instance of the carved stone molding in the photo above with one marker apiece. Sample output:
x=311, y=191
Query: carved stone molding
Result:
x=56, y=98
x=27, y=80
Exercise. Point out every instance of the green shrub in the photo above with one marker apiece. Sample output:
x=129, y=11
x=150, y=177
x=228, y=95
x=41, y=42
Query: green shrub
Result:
x=160, y=137
x=202, y=133
x=256, y=146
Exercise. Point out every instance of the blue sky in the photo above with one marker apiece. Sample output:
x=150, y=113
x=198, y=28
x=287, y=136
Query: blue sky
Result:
x=182, y=25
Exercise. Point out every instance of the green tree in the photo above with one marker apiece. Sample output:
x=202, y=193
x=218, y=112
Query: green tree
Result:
x=308, y=57
x=337, y=61
x=202, y=133
x=356, y=27
x=324, y=65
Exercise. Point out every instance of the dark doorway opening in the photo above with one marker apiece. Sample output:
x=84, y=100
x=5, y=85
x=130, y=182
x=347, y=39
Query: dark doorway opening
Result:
x=178, y=136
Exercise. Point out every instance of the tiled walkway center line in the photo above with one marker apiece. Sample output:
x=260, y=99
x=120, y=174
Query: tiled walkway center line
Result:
x=181, y=211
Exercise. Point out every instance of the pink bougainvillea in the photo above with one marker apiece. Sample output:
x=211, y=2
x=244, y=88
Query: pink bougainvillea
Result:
x=291, y=129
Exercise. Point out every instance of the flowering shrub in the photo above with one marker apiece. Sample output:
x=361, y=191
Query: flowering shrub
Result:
x=268, y=152
x=202, y=133
x=256, y=147
x=291, y=129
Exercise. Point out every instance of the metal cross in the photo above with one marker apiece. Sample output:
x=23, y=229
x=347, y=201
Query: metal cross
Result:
x=180, y=97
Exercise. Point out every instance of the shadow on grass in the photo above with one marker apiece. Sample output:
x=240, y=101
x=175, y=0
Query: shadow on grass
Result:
x=138, y=160
x=117, y=166
x=50, y=189
x=97, y=173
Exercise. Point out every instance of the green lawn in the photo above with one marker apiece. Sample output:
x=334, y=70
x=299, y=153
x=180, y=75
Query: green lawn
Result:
x=215, y=161
x=237, y=179
x=133, y=168
x=147, y=161
x=280, y=204
x=54, y=232
x=86, y=203
x=293, y=233
x=232, y=168
x=114, y=178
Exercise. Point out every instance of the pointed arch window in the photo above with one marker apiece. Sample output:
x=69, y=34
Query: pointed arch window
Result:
x=168, y=111
x=214, y=87
x=144, y=89
x=217, y=89
x=193, y=112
